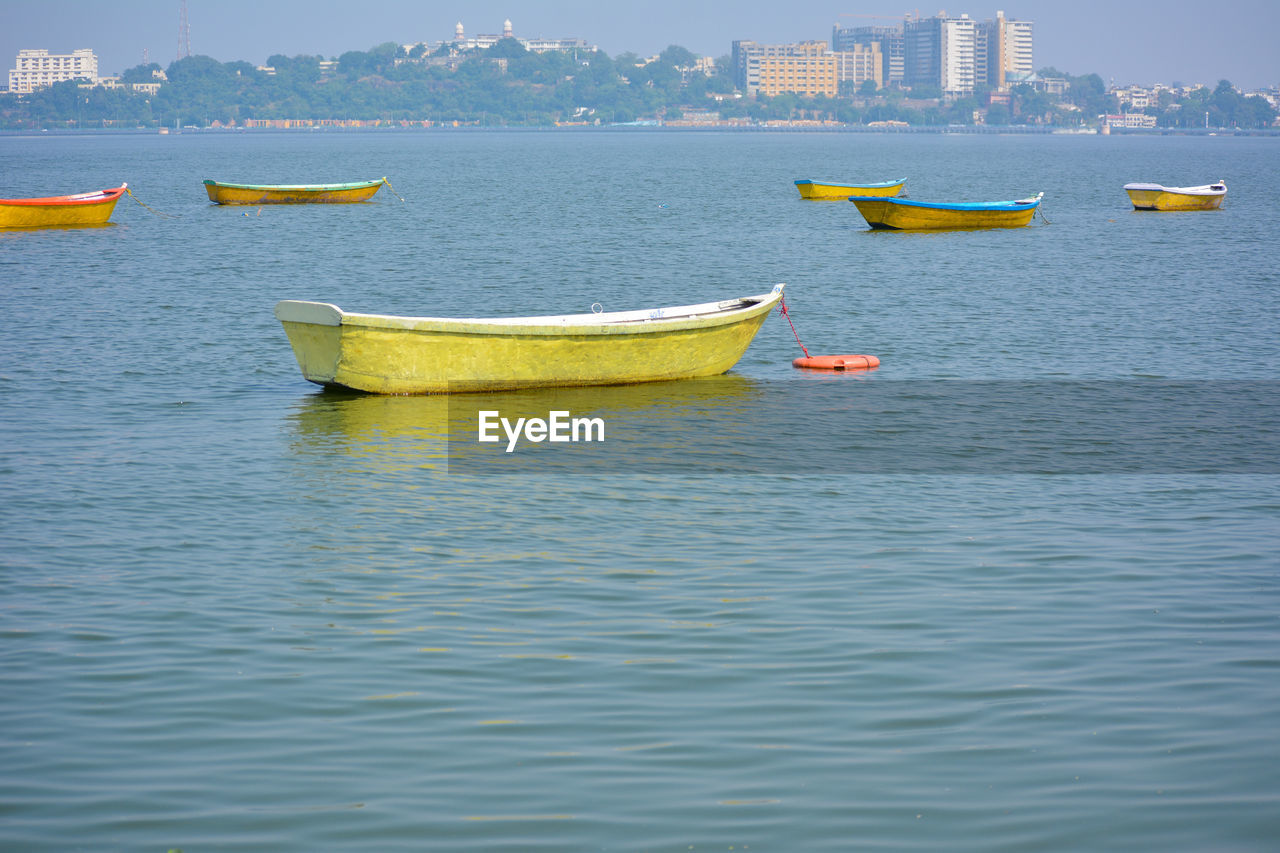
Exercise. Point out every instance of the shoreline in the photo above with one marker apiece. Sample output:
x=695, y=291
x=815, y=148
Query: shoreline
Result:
x=971, y=130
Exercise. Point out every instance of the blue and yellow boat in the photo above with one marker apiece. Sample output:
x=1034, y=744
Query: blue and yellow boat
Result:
x=834, y=191
x=904, y=215
x=221, y=192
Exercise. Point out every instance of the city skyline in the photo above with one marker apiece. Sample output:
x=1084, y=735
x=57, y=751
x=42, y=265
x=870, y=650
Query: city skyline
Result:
x=1130, y=43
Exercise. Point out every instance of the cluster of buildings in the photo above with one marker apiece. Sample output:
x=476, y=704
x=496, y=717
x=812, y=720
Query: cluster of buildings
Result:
x=39, y=69
x=1134, y=101
x=463, y=42
x=956, y=55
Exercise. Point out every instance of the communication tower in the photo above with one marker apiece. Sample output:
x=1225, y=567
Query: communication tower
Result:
x=184, y=32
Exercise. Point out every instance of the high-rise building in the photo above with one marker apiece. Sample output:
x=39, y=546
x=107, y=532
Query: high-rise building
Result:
x=36, y=69
x=889, y=40
x=859, y=63
x=940, y=52
x=814, y=74
x=958, y=55
x=805, y=68
x=1009, y=51
x=922, y=52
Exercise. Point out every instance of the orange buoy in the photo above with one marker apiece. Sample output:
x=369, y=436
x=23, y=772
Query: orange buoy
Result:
x=837, y=362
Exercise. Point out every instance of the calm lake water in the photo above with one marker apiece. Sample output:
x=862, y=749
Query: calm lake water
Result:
x=239, y=612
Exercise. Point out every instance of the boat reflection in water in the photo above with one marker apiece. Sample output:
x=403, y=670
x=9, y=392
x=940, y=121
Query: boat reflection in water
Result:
x=651, y=426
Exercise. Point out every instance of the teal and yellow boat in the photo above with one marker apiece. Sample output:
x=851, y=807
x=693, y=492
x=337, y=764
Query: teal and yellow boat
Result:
x=221, y=192
x=834, y=191
x=904, y=215
x=387, y=354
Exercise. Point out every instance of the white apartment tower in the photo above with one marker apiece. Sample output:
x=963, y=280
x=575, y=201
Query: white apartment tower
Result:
x=1010, y=51
x=960, y=55
x=941, y=52
x=957, y=64
x=37, y=69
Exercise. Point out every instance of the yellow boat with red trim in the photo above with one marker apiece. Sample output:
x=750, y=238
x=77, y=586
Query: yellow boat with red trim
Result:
x=92, y=208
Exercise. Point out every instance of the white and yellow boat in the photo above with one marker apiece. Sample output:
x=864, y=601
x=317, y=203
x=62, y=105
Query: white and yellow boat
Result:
x=1158, y=197
x=222, y=192
x=834, y=191
x=429, y=355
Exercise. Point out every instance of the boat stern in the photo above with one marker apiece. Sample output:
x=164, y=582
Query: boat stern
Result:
x=1144, y=196
x=875, y=209
x=315, y=333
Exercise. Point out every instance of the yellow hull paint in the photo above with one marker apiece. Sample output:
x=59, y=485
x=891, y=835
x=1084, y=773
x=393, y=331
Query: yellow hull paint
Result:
x=52, y=216
x=224, y=194
x=839, y=192
x=1162, y=200
x=405, y=355
x=883, y=214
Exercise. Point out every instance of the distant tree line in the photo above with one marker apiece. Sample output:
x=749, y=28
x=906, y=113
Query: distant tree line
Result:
x=502, y=85
x=1223, y=107
x=510, y=86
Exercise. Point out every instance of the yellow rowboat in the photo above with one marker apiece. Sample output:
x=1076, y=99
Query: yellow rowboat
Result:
x=901, y=214
x=221, y=192
x=84, y=209
x=830, y=190
x=430, y=355
x=1157, y=197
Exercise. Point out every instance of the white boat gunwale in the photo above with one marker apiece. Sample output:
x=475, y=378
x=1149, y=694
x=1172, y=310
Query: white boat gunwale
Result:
x=1220, y=188
x=843, y=184
x=667, y=319
x=353, y=185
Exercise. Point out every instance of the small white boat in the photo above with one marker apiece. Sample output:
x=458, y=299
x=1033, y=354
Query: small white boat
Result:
x=1158, y=197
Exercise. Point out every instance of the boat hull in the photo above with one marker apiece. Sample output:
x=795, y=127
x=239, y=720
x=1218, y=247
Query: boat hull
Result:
x=224, y=193
x=824, y=191
x=405, y=355
x=57, y=211
x=1167, y=199
x=900, y=215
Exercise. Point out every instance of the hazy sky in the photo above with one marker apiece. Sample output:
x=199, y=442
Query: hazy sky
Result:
x=1128, y=41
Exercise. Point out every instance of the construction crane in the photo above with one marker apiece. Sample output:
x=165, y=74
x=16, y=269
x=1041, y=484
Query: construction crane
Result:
x=883, y=17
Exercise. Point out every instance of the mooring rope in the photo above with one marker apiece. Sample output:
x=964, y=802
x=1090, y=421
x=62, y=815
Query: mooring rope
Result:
x=393, y=190
x=129, y=192
x=782, y=304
